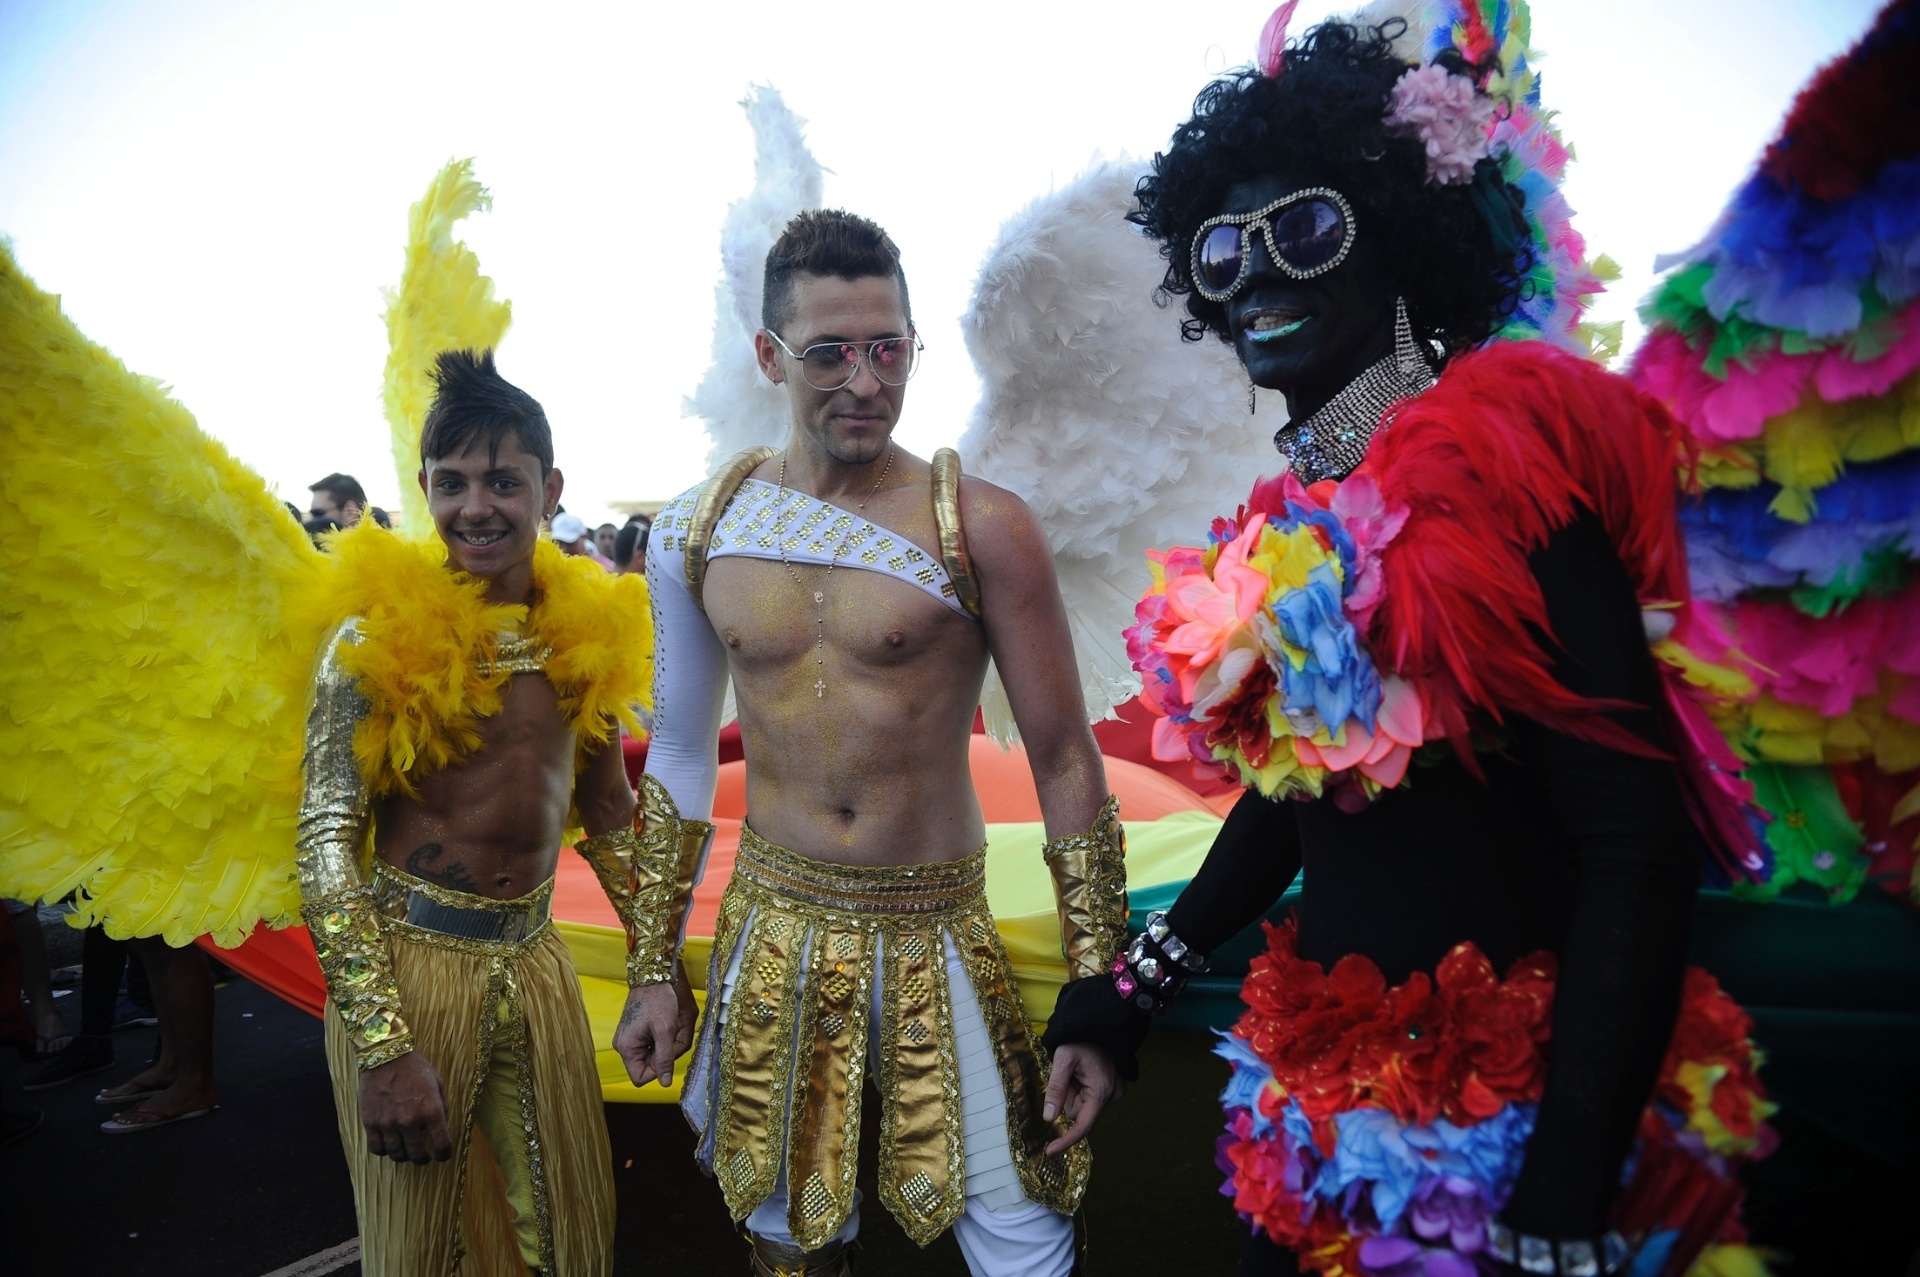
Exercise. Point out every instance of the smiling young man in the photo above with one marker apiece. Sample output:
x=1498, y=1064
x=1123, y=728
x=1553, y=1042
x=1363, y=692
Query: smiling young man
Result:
x=854, y=594
x=466, y=705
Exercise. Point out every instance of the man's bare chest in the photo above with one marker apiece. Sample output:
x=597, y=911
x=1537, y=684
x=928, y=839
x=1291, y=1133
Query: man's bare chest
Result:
x=770, y=614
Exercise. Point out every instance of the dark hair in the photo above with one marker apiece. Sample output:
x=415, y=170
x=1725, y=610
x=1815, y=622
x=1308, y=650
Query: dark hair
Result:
x=1457, y=254
x=342, y=488
x=473, y=401
x=627, y=542
x=826, y=241
x=380, y=517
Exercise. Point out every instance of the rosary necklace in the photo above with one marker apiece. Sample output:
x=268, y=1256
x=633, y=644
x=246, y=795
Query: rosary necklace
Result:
x=820, y=595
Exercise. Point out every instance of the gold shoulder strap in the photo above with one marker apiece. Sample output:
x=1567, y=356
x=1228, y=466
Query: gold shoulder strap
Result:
x=953, y=537
x=707, y=510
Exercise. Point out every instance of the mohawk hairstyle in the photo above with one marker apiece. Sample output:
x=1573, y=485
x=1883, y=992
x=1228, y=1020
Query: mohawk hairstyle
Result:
x=473, y=401
x=826, y=241
x=1459, y=255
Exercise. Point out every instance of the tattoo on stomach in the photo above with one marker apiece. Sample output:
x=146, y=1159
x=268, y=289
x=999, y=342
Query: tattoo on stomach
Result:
x=420, y=863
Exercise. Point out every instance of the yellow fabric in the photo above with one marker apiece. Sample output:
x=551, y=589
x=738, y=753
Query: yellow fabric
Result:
x=153, y=683
x=443, y=303
x=1019, y=892
x=415, y=1219
x=1730, y=1261
x=496, y=1111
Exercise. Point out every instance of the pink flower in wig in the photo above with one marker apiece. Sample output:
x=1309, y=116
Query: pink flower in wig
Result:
x=1451, y=118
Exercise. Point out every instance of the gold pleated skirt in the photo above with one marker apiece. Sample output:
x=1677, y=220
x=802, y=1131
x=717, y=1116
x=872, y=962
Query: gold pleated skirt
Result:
x=777, y=1085
x=504, y=1016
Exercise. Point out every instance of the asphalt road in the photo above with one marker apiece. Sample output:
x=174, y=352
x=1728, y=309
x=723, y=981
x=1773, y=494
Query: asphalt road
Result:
x=261, y=1185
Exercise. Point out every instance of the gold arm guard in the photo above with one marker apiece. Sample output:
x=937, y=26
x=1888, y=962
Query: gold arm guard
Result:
x=647, y=872
x=335, y=899
x=1090, y=888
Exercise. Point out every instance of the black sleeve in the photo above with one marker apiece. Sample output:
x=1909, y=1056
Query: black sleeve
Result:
x=1636, y=870
x=1253, y=860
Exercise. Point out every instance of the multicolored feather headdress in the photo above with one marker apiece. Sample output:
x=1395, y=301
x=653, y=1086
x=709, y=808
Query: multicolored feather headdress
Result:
x=1496, y=114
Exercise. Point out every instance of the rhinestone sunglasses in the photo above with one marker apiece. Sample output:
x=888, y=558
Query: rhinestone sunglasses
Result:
x=1308, y=233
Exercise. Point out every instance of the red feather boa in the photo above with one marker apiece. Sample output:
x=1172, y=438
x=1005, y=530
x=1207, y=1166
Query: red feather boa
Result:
x=1489, y=463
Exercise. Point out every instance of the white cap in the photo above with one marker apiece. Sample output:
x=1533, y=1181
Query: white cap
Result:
x=569, y=527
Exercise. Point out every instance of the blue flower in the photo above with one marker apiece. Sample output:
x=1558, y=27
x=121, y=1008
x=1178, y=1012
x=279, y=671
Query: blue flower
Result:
x=1391, y=1163
x=1249, y=1081
x=1338, y=680
x=1329, y=522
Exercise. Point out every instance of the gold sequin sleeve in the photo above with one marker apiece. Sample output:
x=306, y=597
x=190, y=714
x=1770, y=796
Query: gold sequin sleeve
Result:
x=1090, y=891
x=648, y=872
x=335, y=898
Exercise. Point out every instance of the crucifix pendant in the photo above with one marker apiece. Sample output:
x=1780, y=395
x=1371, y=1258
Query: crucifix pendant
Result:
x=819, y=687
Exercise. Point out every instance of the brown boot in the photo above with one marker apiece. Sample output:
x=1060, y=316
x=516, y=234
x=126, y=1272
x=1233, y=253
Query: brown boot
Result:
x=775, y=1259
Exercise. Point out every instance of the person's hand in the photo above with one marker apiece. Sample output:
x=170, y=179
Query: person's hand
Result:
x=403, y=1106
x=1084, y=1081
x=655, y=1029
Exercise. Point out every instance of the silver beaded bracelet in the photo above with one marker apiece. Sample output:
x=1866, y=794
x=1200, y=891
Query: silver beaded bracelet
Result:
x=1583, y=1258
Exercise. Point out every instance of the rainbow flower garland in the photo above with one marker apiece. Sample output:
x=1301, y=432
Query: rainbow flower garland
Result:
x=1376, y=1129
x=1253, y=649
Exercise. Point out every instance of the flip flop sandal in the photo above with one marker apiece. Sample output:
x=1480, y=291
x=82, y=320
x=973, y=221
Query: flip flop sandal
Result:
x=108, y=1099
x=51, y=1044
x=141, y=1118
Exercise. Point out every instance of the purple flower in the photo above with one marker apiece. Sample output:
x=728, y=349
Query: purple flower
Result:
x=1403, y=1257
x=1451, y=1211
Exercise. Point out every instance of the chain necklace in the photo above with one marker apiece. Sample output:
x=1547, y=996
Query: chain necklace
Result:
x=820, y=595
x=1333, y=441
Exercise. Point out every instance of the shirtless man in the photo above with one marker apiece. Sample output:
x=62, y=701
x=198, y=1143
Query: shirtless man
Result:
x=854, y=594
x=458, y=1005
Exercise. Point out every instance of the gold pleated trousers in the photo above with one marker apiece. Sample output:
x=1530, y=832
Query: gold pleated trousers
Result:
x=503, y=1025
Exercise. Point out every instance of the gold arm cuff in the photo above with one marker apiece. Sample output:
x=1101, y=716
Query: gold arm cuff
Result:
x=707, y=509
x=353, y=958
x=647, y=873
x=953, y=539
x=1090, y=888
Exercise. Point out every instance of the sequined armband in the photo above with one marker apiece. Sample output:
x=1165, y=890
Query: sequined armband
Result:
x=335, y=898
x=1090, y=888
x=648, y=872
x=353, y=957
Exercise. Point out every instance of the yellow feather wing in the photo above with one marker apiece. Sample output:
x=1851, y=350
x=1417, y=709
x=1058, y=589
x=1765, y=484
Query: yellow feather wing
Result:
x=443, y=303
x=152, y=691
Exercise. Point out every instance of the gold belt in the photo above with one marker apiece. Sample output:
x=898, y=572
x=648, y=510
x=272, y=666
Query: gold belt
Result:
x=815, y=941
x=875, y=889
x=480, y=921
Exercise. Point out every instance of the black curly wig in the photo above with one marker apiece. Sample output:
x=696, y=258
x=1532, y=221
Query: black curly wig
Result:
x=1459, y=255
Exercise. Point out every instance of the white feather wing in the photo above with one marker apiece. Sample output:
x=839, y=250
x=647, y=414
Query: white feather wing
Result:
x=1119, y=435
x=741, y=408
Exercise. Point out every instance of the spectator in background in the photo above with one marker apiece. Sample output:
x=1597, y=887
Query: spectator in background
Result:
x=603, y=538
x=338, y=497
x=36, y=979
x=630, y=546
x=570, y=534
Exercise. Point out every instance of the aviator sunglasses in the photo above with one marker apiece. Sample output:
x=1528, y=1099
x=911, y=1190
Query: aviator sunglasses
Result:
x=1308, y=233
x=830, y=365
